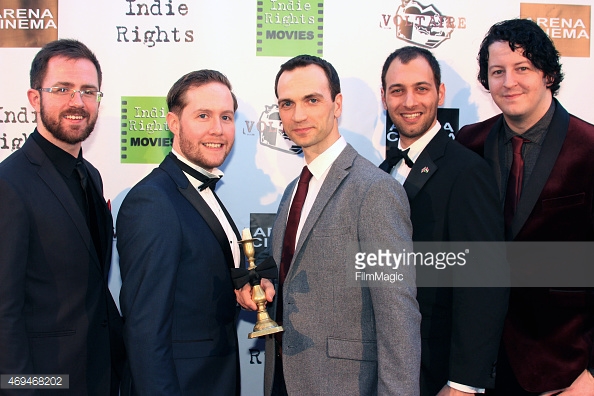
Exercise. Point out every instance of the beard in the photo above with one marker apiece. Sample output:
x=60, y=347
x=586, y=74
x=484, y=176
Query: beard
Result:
x=73, y=135
x=195, y=153
x=414, y=132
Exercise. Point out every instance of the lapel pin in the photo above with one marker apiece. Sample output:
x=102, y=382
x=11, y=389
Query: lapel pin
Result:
x=425, y=170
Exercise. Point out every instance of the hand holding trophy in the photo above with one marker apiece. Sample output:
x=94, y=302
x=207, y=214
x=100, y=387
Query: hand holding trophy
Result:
x=264, y=324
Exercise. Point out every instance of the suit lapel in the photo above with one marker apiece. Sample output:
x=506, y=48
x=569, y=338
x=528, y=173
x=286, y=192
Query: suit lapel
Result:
x=191, y=194
x=50, y=176
x=425, y=167
x=491, y=152
x=336, y=175
x=551, y=147
x=233, y=227
x=280, y=223
x=105, y=220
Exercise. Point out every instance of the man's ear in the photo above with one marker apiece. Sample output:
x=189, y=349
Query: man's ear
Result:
x=338, y=105
x=173, y=122
x=34, y=97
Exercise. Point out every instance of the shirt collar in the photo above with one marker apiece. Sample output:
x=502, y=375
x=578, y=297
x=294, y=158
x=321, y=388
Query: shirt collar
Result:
x=324, y=161
x=63, y=161
x=216, y=172
x=419, y=145
x=537, y=132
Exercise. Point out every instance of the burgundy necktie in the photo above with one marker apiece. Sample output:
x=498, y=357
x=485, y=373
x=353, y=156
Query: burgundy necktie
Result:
x=291, y=236
x=514, y=181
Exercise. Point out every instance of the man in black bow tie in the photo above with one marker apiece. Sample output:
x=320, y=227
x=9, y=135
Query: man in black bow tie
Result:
x=177, y=244
x=453, y=197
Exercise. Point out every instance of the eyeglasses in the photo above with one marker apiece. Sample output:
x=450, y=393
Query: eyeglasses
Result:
x=87, y=95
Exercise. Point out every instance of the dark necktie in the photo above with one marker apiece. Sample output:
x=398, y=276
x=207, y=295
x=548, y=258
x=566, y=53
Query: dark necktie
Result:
x=206, y=181
x=290, y=239
x=84, y=182
x=514, y=181
x=393, y=156
x=91, y=213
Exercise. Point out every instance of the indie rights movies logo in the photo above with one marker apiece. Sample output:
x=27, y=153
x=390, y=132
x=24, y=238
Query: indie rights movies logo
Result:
x=146, y=138
x=423, y=25
x=17, y=119
x=150, y=36
x=271, y=132
x=567, y=25
x=289, y=27
x=28, y=23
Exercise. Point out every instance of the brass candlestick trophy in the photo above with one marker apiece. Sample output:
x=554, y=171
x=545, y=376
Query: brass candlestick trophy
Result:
x=264, y=325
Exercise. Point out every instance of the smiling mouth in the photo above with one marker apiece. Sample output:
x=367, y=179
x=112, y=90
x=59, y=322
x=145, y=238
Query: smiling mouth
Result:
x=73, y=117
x=213, y=145
x=411, y=116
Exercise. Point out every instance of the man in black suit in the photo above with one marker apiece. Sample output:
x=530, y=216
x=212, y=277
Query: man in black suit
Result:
x=177, y=244
x=57, y=315
x=453, y=197
x=548, y=337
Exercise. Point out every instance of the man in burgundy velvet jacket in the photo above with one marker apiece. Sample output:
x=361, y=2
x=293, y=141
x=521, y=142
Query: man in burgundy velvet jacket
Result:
x=549, y=332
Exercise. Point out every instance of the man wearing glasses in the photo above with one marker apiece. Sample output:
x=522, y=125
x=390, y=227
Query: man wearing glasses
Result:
x=57, y=316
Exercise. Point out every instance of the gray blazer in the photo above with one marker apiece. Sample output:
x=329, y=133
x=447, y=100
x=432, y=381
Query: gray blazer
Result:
x=339, y=338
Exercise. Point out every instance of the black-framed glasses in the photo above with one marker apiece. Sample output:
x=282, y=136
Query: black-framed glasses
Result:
x=87, y=95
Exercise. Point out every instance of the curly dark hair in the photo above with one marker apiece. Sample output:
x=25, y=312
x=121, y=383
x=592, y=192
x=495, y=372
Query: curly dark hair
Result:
x=537, y=47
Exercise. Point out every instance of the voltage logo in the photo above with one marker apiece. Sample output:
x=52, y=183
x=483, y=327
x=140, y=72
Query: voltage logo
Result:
x=270, y=131
x=423, y=25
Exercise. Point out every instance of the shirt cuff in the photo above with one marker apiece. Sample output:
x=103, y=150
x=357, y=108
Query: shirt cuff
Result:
x=465, y=388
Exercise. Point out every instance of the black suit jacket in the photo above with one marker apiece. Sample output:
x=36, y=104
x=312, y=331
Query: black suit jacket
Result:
x=549, y=332
x=453, y=197
x=57, y=315
x=177, y=297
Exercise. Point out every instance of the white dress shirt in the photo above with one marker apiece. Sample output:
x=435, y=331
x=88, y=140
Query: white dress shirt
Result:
x=319, y=168
x=208, y=195
x=400, y=172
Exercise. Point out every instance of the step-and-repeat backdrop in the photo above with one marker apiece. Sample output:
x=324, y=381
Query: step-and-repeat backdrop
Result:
x=144, y=46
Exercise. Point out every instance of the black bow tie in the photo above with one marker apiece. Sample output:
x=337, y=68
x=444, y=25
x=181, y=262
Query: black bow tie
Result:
x=394, y=155
x=206, y=181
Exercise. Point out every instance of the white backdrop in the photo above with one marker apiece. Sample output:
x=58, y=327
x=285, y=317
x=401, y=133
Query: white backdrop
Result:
x=354, y=36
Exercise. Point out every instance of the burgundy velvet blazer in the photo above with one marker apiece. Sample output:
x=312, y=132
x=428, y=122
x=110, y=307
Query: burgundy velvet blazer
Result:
x=549, y=332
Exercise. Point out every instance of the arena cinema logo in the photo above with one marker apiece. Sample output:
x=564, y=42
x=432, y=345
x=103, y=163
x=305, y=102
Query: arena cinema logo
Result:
x=422, y=25
x=270, y=131
x=28, y=23
x=567, y=25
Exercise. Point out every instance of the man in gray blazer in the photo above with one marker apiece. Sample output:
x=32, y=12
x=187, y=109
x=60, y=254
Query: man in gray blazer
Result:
x=339, y=338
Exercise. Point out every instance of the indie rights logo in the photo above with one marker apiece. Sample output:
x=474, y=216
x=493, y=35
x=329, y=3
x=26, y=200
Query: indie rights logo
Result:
x=289, y=27
x=154, y=34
